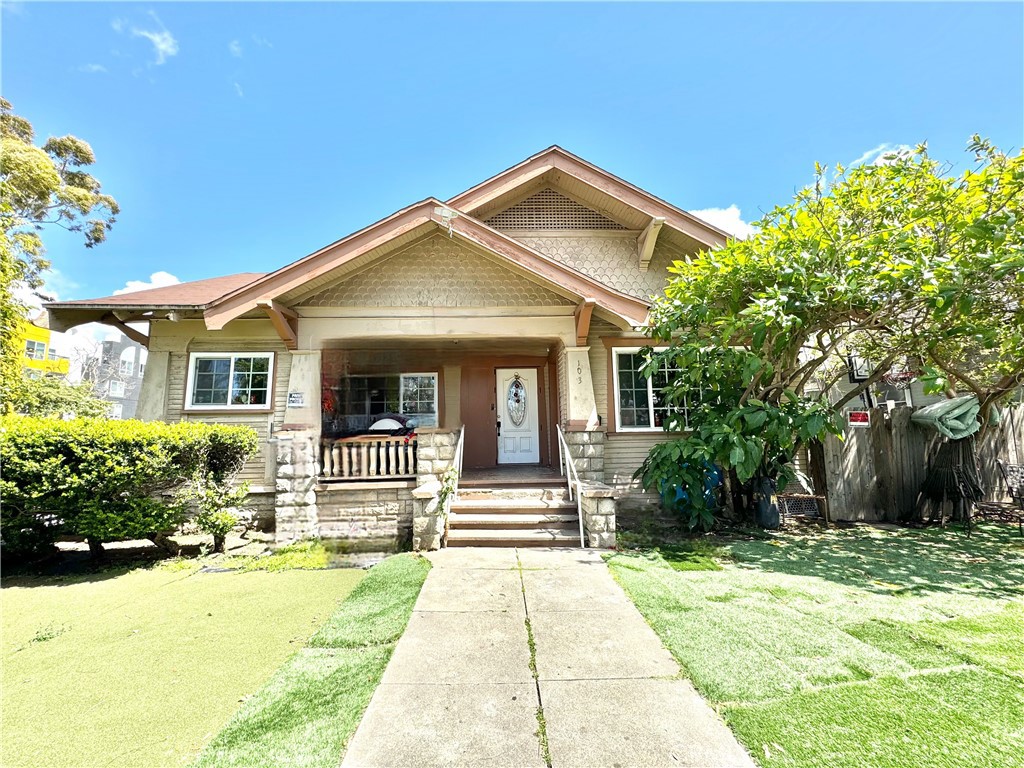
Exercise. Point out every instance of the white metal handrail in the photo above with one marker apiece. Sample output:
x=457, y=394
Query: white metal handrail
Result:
x=457, y=466
x=571, y=478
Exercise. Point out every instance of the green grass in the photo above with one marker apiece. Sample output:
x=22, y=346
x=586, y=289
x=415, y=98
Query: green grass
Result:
x=308, y=711
x=847, y=648
x=141, y=667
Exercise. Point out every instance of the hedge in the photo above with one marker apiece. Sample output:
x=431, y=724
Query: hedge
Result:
x=105, y=480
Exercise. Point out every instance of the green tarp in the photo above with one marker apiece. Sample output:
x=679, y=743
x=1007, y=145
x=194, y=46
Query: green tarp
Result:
x=956, y=418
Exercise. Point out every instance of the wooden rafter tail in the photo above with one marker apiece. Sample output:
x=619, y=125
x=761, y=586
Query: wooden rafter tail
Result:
x=284, y=320
x=137, y=336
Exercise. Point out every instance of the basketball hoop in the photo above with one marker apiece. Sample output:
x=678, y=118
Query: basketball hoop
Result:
x=899, y=379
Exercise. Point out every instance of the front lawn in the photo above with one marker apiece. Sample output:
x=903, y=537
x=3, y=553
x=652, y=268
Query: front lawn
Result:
x=142, y=667
x=887, y=648
x=307, y=712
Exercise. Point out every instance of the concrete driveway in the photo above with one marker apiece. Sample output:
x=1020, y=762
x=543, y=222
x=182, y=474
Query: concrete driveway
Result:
x=464, y=689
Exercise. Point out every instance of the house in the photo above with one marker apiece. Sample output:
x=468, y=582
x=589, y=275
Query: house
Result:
x=116, y=372
x=40, y=357
x=499, y=325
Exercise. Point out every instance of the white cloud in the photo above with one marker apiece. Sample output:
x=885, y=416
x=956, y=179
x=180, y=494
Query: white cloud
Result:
x=164, y=44
x=156, y=280
x=239, y=91
x=118, y=24
x=92, y=69
x=727, y=219
x=262, y=42
x=236, y=49
x=883, y=154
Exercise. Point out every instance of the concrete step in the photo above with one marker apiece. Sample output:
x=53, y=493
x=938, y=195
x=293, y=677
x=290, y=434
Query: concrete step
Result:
x=520, y=520
x=493, y=537
x=512, y=506
x=514, y=494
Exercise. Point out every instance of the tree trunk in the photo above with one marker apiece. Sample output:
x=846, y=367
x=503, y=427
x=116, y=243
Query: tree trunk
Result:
x=218, y=542
x=95, y=548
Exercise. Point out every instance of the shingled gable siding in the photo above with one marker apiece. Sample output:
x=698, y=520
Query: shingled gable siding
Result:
x=255, y=470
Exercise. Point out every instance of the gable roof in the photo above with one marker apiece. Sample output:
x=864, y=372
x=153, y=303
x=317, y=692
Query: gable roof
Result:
x=194, y=294
x=406, y=225
x=186, y=297
x=222, y=299
x=554, y=164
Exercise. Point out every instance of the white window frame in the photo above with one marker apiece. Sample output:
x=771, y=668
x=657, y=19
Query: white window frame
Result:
x=116, y=411
x=616, y=351
x=401, y=396
x=228, y=406
x=35, y=350
x=126, y=367
x=119, y=384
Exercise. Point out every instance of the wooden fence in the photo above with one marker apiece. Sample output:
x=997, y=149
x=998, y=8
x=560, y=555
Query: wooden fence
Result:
x=876, y=473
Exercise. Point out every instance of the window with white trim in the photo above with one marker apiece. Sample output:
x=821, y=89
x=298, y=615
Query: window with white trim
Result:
x=223, y=380
x=640, y=405
x=126, y=364
x=115, y=388
x=35, y=350
x=116, y=411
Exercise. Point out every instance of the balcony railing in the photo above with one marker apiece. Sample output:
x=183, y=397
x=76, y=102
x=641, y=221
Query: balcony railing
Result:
x=369, y=457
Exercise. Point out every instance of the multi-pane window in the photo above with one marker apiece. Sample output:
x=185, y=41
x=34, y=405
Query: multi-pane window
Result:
x=115, y=388
x=127, y=367
x=640, y=402
x=419, y=398
x=116, y=410
x=231, y=381
x=35, y=350
x=361, y=399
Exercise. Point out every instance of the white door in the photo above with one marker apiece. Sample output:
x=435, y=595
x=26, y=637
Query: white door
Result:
x=519, y=432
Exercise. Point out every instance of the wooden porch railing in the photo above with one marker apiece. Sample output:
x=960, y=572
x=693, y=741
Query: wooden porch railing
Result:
x=368, y=457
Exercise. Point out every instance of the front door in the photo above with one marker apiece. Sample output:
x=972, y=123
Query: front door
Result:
x=518, y=416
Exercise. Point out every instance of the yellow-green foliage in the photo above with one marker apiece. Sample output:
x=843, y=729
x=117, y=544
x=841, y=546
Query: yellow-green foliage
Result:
x=106, y=480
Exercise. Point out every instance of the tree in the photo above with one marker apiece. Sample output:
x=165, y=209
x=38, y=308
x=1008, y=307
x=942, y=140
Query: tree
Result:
x=39, y=186
x=900, y=264
x=53, y=396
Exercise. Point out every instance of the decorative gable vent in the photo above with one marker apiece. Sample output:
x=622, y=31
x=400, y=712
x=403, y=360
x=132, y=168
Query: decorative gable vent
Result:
x=549, y=209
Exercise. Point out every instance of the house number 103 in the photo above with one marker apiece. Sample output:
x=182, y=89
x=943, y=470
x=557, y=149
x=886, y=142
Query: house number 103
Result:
x=579, y=373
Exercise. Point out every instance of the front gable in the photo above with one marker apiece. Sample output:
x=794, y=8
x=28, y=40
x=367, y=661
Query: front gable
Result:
x=550, y=209
x=437, y=271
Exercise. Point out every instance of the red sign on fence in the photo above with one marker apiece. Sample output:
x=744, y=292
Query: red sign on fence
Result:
x=859, y=419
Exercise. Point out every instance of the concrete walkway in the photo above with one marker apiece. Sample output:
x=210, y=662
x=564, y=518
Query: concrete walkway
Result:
x=460, y=691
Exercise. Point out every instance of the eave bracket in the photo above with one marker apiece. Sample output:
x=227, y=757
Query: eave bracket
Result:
x=582, y=317
x=647, y=240
x=284, y=319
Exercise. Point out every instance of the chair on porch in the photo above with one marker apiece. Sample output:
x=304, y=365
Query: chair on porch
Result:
x=1012, y=511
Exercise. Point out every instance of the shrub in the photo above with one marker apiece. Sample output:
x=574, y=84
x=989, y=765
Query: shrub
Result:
x=106, y=480
x=217, y=505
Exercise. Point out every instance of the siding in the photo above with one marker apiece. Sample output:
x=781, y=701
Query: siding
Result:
x=256, y=470
x=624, y=452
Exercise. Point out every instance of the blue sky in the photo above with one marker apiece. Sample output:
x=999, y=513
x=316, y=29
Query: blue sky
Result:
x=239, y=137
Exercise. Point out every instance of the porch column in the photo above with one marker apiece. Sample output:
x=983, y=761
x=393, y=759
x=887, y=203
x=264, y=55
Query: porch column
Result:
x=153, y=393
x=582, y=406
x=302, y=406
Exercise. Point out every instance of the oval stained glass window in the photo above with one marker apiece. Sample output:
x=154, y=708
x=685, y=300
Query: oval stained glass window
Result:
x=517, y=402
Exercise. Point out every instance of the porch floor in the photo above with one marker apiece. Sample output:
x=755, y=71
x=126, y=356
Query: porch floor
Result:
x=511, y=476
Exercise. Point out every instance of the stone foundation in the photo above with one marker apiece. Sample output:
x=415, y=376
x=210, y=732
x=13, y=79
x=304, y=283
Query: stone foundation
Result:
x=587, y=451
x=367, y=517
x=428, y=517
x=435, y=452
x=295, y=501
x=598, y=507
